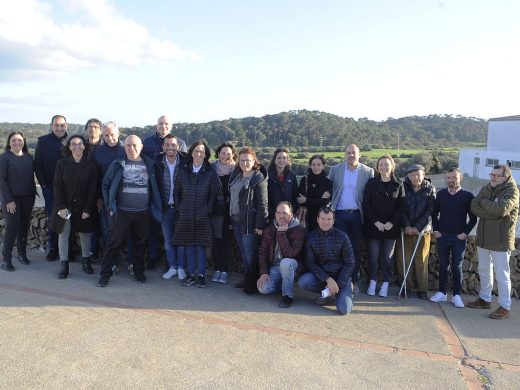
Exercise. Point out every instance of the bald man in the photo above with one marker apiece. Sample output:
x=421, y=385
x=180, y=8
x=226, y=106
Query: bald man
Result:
x=153, y=145
x=131, y=195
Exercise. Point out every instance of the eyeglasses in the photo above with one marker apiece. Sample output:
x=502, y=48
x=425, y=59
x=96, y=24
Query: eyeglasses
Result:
x=495, y=176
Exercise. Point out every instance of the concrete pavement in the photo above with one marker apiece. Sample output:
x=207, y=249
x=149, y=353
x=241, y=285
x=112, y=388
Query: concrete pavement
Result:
x=59, y=334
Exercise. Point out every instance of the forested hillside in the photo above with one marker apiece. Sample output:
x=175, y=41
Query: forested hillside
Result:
x=304, y=129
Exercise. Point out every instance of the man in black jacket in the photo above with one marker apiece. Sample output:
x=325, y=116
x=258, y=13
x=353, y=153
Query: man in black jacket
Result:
x=330, y=258
x=49, y=150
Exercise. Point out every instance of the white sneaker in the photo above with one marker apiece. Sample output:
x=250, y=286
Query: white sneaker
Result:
x=439, y=297
x=223, y=277
x=372, y=288
x=170, y=274
x=216, y=276
x=383, y=291
x=457, y=301
x=181, y=273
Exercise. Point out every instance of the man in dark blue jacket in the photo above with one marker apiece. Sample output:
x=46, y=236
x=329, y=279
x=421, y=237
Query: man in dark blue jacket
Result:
x=103, y=155
x=330, y=258
x=130, y=192
x=49, y=150
x=153, y=148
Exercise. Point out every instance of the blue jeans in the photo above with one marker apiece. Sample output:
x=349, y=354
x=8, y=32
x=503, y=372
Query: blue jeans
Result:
x=248, y=245
x=168, y=230
x=350, y=222
x=52, y=237
x=196, y=255
x=344, y=302
x=448, y=244
x=378, y=248
x=153, y=242
x=282, y=278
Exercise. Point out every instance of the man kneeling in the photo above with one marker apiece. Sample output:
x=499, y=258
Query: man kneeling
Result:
x=280, y=248
x=330, y=259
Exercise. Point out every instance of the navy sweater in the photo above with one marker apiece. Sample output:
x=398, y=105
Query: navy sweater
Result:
x=454, y=212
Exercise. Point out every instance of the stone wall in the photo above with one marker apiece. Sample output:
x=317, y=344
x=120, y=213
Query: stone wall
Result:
x=470, y=285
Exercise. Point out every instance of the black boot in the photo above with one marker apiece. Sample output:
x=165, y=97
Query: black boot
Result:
x=64, y=271
x=7, y=265
x=87, y=268
x=22, y=258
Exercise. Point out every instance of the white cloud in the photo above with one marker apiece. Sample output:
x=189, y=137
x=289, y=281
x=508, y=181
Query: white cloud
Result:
x=34, y=43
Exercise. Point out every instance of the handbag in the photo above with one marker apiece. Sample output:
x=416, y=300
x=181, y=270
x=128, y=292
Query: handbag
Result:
x=301, y=213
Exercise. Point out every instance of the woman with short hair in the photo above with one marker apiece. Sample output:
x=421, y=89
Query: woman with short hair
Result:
x=195, y=192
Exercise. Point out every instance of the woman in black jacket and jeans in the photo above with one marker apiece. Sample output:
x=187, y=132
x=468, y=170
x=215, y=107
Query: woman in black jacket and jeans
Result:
x=383, y=206
x=221, y=253
x=17, y=191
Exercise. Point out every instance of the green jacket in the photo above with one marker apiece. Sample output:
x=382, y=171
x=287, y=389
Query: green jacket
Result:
x=497, y=209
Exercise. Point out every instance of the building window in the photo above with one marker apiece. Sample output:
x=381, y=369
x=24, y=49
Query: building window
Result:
x=514, y=164
x=491, y=162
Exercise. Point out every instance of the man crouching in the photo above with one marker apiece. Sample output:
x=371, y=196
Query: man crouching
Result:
x=330, y=259
x=280, y=250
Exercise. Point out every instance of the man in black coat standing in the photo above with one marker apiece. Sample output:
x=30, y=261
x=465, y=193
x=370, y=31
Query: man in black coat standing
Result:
x=49, y=150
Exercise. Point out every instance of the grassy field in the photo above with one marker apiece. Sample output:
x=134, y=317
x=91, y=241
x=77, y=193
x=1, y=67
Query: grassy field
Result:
x=373, y=154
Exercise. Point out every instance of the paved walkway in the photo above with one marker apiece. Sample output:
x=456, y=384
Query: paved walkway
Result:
x=63, y=334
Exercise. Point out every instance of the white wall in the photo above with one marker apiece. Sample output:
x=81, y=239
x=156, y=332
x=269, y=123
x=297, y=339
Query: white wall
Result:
x=504, y=135
x=467, y=162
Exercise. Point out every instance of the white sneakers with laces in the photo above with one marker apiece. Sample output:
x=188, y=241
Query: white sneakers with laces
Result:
x=439, y=297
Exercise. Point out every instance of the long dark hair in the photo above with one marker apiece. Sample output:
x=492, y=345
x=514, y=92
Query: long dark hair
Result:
x=24, y=147
x=276, y=152
x=67, y=152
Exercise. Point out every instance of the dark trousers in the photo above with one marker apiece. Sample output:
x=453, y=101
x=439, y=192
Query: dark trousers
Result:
x=17, y=225
x=48, y=196
x=450, y=250
x=127, y=224
x=221, y=252
x=350, y=222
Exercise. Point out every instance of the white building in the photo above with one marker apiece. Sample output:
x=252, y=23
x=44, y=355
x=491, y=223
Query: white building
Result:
x=503, y=147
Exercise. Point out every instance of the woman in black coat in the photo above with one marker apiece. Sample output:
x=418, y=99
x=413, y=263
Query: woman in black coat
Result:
x=315, y=190
x=383, y=206
x=221, y=253
x=17, y=191
x=75, y=190
x=195, y=192
x=282, y=183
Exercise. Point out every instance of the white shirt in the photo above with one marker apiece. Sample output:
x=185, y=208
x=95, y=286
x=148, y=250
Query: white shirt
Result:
x=171, y=168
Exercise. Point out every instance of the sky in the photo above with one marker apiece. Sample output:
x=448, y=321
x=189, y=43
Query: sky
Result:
x=131, y=61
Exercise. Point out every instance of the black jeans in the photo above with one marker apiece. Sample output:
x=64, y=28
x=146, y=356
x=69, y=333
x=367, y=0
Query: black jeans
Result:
x=127, y=224
x=17, y=225
x=221, y=252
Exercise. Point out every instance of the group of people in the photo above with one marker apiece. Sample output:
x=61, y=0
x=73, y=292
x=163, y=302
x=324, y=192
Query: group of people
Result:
x=121, y=193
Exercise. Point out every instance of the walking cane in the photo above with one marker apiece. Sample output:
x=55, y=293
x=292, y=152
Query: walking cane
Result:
x=404, y=266
x=421, y=234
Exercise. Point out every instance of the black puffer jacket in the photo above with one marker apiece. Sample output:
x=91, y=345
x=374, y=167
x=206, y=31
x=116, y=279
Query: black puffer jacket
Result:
x=194, y=197
x=253, y=201
x=288, y=190
x=383, y=205
x=330, y=253
x=419, y=205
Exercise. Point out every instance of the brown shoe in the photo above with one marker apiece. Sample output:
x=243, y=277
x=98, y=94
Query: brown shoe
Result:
x=479, y=303
x=499, y=314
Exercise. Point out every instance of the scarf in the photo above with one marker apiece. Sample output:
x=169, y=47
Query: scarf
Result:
x=224, y=170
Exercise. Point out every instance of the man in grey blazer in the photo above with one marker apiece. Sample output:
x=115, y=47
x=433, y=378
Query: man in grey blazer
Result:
x=349, y=180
